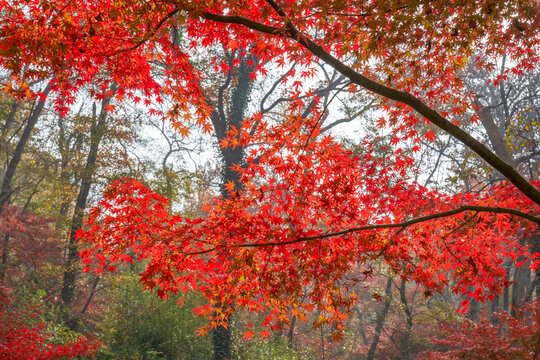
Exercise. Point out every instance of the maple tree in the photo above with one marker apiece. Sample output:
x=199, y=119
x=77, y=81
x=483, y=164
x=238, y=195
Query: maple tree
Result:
x=306, y=210
x=32, y=246
x=13, y=158
x=23, y=337
x=510, y=338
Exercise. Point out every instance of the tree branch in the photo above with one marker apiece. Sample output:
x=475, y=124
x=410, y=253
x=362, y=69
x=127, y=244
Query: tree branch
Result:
x=401, y=226
x=405, y=224
x=152, y=33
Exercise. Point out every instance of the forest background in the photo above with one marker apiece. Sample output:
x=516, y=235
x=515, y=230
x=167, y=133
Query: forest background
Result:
x=312, y=180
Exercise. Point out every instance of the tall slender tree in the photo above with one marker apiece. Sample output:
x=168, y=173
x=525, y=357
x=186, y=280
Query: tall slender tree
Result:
x=13, y=161
x=98, y=127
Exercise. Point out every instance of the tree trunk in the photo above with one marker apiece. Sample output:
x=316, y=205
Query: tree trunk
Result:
x=473, y=308
x=409, y=319
x=522, y=282
x=93, y=288
x=223, y=121
x=535, y=241
x=70, y=274
x=494, y=307
x=290, y=334
x=7, y=181
x=7, y=126
x=497, y=141
x=3, y=265
x=506, y=294
x=381, y=318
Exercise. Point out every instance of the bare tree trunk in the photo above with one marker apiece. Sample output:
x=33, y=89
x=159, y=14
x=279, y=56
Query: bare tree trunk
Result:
x=497, y=141
x=93, y=288
x=70, y=274
x=409, y=319
x=290, y=334
x=473, y=308
x=7, y=126
x=7, y=181
x=494, y=307
x=506, y=294
x=522, y=282
x=381, y=318
x=535, y=241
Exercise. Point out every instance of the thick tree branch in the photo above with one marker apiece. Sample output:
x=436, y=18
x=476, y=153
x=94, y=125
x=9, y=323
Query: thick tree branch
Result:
x=400, y=226
x=408, y=223
x=397, y=95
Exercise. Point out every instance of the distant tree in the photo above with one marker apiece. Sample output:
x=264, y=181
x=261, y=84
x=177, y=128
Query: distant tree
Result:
x=512, y=338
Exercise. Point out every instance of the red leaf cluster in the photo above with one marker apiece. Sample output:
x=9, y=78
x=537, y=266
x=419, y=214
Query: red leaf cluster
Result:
x=503, y=338
x=22, y=337
x=308, y=213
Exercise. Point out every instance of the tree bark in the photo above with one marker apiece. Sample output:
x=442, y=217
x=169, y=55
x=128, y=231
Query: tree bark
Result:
x=522, y=283
x=409, y=319
x=535, y=241
x=93, y=288
x=70, y=274
x=381, y=318
x=497, y=141
x=7, y=126
x=290, y=334
x=224, y=120
x=506, y=294
x=7, y=181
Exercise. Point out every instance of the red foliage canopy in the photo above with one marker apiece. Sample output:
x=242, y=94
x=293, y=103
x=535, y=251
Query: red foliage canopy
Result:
x=308, y=211
x=287, y=242
x=23, y=337
x=507, y=338
x=31, y=241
